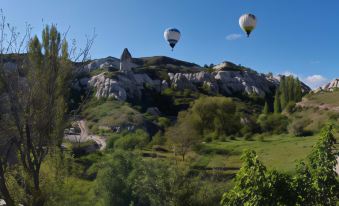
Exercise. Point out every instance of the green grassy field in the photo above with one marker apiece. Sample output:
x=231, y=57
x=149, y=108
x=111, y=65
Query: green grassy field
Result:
x=280, y=152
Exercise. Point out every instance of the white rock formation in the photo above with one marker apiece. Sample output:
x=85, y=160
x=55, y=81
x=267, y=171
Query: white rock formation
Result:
x=108, y=62
x=106, y=87
x=332, y=85
x=227, y=79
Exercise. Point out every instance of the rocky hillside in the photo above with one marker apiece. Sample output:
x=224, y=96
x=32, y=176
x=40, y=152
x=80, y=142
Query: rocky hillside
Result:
x=110, y=80
x=331, y=86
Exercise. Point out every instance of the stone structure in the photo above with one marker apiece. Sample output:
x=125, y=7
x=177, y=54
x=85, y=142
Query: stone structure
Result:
x=126, y=63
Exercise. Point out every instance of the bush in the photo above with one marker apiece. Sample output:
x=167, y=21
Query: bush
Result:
x=297, y=128
x=131, y=141
x=273, y=123
x=158, y=139
x=290, y=107
x=164, y=122
x=112, y=139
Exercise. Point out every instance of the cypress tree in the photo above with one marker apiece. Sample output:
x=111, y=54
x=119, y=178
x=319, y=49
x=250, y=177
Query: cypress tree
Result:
x=290, y=89
x=277, y=104
x=266, y=109
x=283, y=93
x=298, y=91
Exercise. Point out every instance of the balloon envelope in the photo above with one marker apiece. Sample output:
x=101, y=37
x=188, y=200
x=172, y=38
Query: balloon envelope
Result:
x=248, y=22
x=172, y=36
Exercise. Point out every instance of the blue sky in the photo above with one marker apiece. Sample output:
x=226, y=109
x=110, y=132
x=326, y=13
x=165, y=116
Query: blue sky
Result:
x=299, y=37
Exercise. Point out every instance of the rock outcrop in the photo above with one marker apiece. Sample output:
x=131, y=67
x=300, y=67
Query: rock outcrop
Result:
x=104, y=63
x=331, y=86
x=123, y=85
x=226, y=78
x=131, y=85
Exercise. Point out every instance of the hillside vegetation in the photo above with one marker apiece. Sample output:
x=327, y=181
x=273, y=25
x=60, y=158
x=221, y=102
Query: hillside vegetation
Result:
x=158, y=131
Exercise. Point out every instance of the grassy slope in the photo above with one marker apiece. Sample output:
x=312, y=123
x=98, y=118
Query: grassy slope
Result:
x=110, y=113
x=317, y=109
x=331, y=98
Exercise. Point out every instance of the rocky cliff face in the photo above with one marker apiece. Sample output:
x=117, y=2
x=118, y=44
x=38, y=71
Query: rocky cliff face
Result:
x=226, y=78
x=122, y=85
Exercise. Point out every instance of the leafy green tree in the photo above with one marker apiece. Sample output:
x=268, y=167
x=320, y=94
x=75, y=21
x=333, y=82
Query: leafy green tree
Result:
x=322, y=164
x=302, y=184
x=315, y=182
x=183, y=135
x=38, y=107
x=126, y=179
x=112, y=180
x=215, y=114
x=251, y=184
x=273, y=123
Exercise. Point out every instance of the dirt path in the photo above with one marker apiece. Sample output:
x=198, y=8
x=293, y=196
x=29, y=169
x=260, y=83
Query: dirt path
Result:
x=101, y=141
x=85, y=136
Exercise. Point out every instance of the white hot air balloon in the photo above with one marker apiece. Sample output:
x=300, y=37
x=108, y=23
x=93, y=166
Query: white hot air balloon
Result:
x=172, y=36
x=248, y=22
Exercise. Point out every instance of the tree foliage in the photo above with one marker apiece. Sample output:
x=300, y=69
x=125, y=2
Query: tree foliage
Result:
x=315, y=181
x=289, y=90
x=36, y=106
x=183, y=135
x=126, y=179
x=273, y=123
x=215, y=114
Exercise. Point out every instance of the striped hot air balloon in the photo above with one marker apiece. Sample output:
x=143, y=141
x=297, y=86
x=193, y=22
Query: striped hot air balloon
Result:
x=248, y=22
x=172, y=36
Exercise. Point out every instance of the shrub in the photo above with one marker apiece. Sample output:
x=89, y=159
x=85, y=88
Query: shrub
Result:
x=273, y=123
x=112, y=139
x=131, y=141
x=158, y=139
x=164, y=122
x=290, y=107
x=297, y=128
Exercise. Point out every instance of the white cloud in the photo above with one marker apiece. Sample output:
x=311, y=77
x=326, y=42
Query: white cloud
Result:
x=233, y=37
x=315, y=81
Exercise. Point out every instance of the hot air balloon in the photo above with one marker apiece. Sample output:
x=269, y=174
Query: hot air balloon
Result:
x=172, y=36
x=248, y=23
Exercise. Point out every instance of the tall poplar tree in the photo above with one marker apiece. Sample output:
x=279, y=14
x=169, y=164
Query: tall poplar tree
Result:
x=277, y=104
x=266, y=109
x=36, y=110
